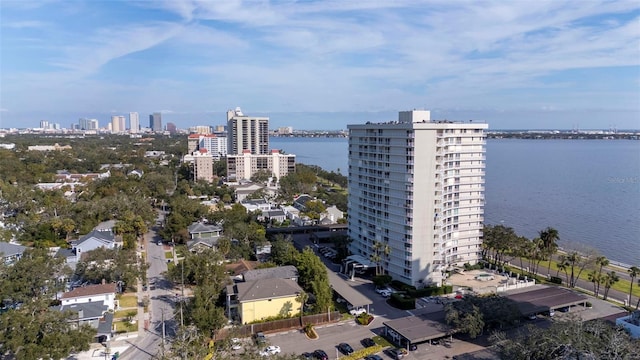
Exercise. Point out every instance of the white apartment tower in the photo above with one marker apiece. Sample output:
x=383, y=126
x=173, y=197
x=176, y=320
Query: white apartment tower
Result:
x=247, y=133
x=416, y=190
x=134, y=122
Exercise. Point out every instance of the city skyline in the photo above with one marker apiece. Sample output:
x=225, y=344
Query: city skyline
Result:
x=322, y=65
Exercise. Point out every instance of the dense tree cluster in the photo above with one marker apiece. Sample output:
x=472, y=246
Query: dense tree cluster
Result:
x=475, y=314
x=568, y=339
x=30, y=327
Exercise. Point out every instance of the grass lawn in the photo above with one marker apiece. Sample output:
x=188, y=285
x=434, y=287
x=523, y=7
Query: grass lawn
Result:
x=122, y=326
x=168, y=255
x=128, y=301
x=622, y=285
x=124, y=313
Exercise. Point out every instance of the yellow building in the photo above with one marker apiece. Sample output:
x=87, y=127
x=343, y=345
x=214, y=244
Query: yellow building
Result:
x=259, y=299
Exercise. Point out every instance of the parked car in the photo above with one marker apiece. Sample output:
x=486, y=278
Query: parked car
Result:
x=260, y=338
x=357, y=312
x=306, y=356
x=373, y=357
x=345, y=348
x=235, y=344
x=395, y=353
x=320, y=355
x=270, y=350
x=564, y=309
x=368, y=342
x=532, y=317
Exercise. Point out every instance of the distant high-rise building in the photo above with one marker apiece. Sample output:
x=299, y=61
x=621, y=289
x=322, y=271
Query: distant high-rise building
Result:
x=44, y=124
x=247, y=133
x=155, y=122
x=171, y=128
x=285, y=130
x=416, y=196
x=134, y=122
x=248, y=148
x=88, y=124
x=216, y=145
x=118, y=124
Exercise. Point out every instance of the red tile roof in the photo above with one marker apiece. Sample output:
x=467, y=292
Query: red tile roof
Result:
x=90, y=290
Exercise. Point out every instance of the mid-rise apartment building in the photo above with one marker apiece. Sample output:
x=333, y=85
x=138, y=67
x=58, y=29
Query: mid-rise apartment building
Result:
x=215, y=145
x=118, y=124
x=416, y=195
x=247, y=133
x=248, y=148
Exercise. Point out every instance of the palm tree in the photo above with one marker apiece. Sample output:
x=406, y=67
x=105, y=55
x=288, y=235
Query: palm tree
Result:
x=594, y=277
x=609, y=279
x=302, y=298
x=563, y=264
x=634, y=272
x=549, y=237
x=601, y=261
x=375, y=257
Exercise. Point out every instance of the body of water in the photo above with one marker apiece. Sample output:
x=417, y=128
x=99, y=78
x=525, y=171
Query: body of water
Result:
x=589, y=190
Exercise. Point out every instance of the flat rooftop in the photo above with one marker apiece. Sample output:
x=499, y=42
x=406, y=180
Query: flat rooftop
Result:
x=423, y=326
x=541, y=299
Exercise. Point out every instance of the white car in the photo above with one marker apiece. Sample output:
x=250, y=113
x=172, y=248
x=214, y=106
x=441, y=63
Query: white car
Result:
x=235, y=344
x=357, y=312
x=270, y=350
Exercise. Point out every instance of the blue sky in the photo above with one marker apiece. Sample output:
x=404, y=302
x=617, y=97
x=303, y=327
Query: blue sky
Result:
x=322, y=64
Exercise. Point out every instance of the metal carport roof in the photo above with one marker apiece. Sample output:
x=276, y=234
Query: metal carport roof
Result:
x=342, y=287
x=545, y=299
x=421, y=327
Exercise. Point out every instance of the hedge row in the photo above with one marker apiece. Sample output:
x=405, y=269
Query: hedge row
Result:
x=402, y=302
x=362, y=353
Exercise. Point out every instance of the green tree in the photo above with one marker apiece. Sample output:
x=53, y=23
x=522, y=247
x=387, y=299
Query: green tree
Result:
x=549, y=237
x=313, y=278
x=465, y=317
x=634, y=272
x=608, y=280
x=601, y=262
x=571, y=338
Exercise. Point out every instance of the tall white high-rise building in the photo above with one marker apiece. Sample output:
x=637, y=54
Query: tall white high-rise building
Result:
x=88, y=124
x=118, y=123
x=247, y=133
x=416, y=195
x=134, y=122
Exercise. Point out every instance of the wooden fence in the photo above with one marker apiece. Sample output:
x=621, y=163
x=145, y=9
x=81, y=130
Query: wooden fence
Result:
x=277, y=325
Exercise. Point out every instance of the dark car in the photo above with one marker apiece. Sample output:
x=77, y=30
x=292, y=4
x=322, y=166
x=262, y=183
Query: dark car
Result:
x=396, y=354
x=564, y=309
x=320, y=355
x=368, y=342
x=306, y=356
x=260, y=338
x=345, y=348
x=373, y=357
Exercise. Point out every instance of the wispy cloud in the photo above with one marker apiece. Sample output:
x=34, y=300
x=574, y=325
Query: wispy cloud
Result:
x=327, y=55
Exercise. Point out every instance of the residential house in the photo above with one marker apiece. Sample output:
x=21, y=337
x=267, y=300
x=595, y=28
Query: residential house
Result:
x=301, y=201
x=94, y=314
x=104, y=294
x=288, y=272
x=235, y=270
x=256, y=205
x=259, y=299
x=291, y=212
x=331, y=215
x=10, y=253
x=203, y=236
x=242, y=191
x=94, y=240
x=275, y=215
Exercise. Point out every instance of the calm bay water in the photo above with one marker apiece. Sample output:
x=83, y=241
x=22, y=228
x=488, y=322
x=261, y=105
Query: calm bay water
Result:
x=589, y=190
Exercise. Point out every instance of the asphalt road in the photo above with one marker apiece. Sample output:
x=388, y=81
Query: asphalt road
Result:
x=162, y=302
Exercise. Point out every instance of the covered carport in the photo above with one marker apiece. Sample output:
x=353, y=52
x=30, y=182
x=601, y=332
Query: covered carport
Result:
x=423, y=326
x=345, y=291
x=353, y=262
x=545, y=299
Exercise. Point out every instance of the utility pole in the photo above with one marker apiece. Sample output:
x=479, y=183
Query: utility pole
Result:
x=182, y=298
